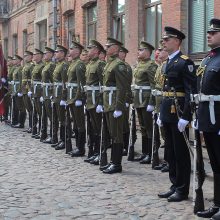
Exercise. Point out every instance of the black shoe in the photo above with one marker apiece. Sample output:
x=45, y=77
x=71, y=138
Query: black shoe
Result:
x=55, y=144
x=47, y=141
x=208, y=213
x=26, y=130
x=166, y=194
x=113, y=169
x=37, y=136
x=165, y=169
x=78, y=153
x=125, y=152
x=105, y=167
x=160, y=167
x=146, y=160
x=177, y=197
x=216, y=216
x=60, y=146
x=18, y=126
x=95, y=161
x=34, y=135
x=88, y=160
x=29, y=130
x=141, y=157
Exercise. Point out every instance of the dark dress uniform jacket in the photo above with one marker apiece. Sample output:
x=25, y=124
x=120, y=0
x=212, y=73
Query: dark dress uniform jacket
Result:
x=180, y=75
x=209, y=84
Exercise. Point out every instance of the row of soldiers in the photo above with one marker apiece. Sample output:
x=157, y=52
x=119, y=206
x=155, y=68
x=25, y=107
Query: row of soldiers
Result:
x=64, y=92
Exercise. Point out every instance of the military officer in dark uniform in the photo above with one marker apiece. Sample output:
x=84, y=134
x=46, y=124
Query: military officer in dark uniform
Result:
x=115, y=86
x=94, y=79
x=122, y=55
x=26, y=85
x=47, y=85
x=175, y=113
x=209, y=111
x=144, y=104
x=19, y=102
x=59, y=91
x=76, y=99
x=36, y=91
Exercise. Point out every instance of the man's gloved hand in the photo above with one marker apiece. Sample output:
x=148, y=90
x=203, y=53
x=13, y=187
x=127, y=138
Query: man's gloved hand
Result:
x=78, y=103
x=99, y=109
x=20, y=94
x=194, y=124
x=117, y=114
x=3, y=80
x=29, y=94
x=159, y=122
x=63, y=103
x=182, y=124
x=41, y=99
x=219, y=132
x=126, y=104
x=150, y=108
x=51, y=97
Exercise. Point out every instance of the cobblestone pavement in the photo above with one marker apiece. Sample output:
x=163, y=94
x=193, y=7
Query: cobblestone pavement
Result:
x=39, y=183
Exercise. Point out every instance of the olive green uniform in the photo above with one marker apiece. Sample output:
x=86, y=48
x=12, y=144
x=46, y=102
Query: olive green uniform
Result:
x=115, y=86
x=25, y=87
x=75, y=83
x=59, y=91
x=19, y=102
x=47, y=92
x=94, y=79
x=36, y=93
x=144, y=81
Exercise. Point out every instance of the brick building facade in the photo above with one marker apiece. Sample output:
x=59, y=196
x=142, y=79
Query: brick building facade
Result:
x=26, y=24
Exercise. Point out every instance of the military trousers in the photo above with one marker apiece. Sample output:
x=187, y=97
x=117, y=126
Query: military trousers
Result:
x=178, y=158
x=79, y=117
x=126, y=121
x=96, y=120
x=115, y=127
x=145, y=121
x=27, y=103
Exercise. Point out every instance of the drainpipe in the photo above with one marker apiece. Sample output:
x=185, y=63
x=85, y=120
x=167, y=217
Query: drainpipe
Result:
x=54, y=23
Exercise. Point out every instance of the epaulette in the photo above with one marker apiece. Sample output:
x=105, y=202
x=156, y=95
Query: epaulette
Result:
x=184, y=57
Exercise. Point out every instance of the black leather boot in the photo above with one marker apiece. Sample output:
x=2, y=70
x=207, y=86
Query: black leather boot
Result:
x=80, y=151
x=115, y=166
x=144, y=149
x=147, y=159
x=61, y=146
x=91, y=155
x=96, y=159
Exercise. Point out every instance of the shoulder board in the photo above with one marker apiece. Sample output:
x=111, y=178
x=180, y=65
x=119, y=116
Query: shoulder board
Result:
x=184, y=57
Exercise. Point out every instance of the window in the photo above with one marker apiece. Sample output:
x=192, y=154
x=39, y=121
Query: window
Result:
x=42, y=33
x=70, y=28
x=118, y=18
x=153, y=21
x=15, y=44
x=202, y=11
x=25, y=40
x=6, y=47
x=91, y=22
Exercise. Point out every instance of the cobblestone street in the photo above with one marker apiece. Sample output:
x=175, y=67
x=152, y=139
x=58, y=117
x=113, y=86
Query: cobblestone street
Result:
x=39, y=183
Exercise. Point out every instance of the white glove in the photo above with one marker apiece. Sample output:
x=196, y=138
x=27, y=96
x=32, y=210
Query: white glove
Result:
x=159, y=122
x=194, y=124
x=117, y=114
x=78, y=103
x=63, y=103
x=51, y=97
x=150, y=108
x=20, y=94
x=99, y=109
x=126, y=104
x=3, y=80
x=41, y=99
x=218, y=132
x=29, y=94
x=182, y=124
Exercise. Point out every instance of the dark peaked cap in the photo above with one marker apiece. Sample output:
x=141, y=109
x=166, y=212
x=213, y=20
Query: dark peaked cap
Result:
x=17, y=57
x=123, y=49
x=145, y=45
x=214, y=25
x=113, y=41
x=37, y=51
x=76, y=45
x=95, y=43
x=27, y=52
x=48, y=49
x=173, y=32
